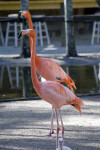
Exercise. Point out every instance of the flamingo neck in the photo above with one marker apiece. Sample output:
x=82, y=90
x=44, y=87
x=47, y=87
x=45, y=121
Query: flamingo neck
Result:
x=35, y=80
x=30, y=23
x=31, y=40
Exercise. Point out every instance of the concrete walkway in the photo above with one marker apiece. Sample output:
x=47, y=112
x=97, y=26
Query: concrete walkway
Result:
x=24, y=124
x=50, y=51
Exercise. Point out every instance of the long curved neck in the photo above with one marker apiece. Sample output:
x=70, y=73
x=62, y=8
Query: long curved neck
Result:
x=35, y=80
x=31, y=40
x=30, y=22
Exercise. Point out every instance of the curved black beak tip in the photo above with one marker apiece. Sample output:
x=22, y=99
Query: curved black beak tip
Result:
x=20, y=34
x=19, y=15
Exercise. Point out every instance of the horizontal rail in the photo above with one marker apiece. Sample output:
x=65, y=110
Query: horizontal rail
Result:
x=76, y=18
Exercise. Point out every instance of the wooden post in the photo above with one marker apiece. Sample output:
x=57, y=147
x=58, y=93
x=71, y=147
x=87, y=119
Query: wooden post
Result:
x=69, y=29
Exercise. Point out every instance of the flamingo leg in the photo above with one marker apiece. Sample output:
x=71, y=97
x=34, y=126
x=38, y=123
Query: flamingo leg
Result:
x=58, y=128
x=52, y=127
x=61, y=124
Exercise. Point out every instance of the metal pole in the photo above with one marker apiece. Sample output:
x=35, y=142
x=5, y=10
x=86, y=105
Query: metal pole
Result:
x=69, y=29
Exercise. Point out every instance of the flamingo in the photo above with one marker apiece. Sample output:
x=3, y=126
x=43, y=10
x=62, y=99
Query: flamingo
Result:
x=52, y=92
x=47, y=68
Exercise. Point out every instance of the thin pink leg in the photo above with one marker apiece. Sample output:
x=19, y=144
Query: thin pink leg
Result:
x=52, y=127
x=58, y=128
x=61, y=124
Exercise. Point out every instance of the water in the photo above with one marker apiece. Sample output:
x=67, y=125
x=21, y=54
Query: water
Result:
x=15, y=81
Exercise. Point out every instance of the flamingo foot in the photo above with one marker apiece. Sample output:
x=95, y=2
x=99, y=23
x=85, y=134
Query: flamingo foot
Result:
x=50, y=134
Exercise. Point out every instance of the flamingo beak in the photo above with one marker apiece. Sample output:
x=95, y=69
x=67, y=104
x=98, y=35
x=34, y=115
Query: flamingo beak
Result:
x=19, y=14
x=20, y=34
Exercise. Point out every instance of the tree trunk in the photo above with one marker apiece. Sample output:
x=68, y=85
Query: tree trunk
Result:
x=25, y=52
x=69, y=29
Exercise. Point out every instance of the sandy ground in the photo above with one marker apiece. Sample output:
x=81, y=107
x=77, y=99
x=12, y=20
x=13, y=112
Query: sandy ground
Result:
x=24, y=124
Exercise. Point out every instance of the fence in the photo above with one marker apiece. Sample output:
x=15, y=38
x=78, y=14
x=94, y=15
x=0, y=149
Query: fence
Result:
x=86, y=42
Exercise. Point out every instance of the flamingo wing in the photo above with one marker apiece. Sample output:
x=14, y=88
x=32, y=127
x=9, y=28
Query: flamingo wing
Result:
x=50, y=70
x=56, y=94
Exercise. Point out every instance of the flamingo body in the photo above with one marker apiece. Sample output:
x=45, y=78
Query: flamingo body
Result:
x=52, y=70
x=57, y=95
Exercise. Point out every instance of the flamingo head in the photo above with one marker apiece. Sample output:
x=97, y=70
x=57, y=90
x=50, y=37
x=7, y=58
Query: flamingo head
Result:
x=29, y=32
x=24, y=13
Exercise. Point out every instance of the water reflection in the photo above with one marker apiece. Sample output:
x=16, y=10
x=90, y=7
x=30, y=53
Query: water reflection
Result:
x=14, y=75
x=86, y=79
x=15, y=81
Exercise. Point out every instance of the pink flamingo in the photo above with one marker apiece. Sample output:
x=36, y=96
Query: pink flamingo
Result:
x=48, y=68
x=52, y=92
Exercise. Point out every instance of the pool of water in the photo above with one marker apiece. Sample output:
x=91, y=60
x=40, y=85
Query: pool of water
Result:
x=15, y=81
